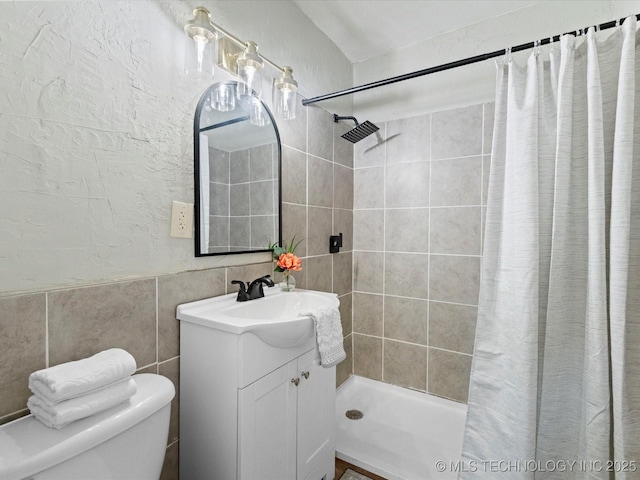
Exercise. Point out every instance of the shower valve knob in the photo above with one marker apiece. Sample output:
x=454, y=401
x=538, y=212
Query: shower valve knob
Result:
x=335, y=242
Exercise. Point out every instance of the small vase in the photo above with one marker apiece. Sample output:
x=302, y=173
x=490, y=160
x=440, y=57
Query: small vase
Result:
x=289, y=282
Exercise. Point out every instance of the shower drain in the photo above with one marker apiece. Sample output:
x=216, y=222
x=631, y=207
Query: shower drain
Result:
x=354, y=414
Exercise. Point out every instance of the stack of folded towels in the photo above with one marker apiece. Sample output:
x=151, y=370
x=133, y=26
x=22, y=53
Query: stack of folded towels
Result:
x=74, y=390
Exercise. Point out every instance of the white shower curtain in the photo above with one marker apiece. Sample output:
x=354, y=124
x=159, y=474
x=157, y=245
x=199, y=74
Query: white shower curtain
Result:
x=556, y=368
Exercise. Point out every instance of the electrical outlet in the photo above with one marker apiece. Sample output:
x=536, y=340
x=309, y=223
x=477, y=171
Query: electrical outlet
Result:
x=181, y=220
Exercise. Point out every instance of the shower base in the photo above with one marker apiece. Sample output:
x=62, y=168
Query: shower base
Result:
x=402, y=433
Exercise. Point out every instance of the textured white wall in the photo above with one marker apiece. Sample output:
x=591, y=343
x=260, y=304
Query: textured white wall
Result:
x=471, y=84
x=96, y=131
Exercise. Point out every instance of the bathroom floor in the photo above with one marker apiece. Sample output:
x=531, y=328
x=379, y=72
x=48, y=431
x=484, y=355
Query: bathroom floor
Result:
x=341, y=467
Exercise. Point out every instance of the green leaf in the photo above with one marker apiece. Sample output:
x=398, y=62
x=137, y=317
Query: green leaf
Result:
x=287, y=248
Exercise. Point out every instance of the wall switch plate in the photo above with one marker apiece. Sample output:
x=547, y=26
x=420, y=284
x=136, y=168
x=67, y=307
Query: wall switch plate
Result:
x=181, y=220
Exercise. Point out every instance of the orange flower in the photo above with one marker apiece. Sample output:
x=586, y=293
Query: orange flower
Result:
x=289, y=261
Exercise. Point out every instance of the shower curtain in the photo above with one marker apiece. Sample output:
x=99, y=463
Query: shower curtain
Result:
x=555, y=383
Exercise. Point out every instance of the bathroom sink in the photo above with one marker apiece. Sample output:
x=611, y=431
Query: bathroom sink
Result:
x=278, y=319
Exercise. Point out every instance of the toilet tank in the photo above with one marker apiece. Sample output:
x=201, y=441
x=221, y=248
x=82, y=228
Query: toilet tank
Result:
x=125, y=442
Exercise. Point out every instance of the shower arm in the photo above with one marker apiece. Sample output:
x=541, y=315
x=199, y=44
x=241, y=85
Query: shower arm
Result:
x=337, y=118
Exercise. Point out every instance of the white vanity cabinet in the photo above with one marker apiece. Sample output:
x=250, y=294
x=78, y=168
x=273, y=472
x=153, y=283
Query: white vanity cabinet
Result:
x=253, y=411
x=286, y=422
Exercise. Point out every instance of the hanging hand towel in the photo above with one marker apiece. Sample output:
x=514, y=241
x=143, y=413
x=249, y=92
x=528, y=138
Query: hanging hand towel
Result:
x=71, y=379
x=328, y=335
x=61, y=414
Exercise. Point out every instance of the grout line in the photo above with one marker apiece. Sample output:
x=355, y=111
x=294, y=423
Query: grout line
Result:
x=426, y=380
x=177, y=357
x=293, y=148
x=147, y=366
x=46, y=329
x=420, y=208
x=333, y=203
x=157, y=323
x=454, y=303
x=416, y=298
x=320, y=158
x=306, y=196
x=353, y=258
x=457, y=158
x=421, y=253
x=413, y=344
x=451, y=351
x=445, y=159
x=384, y=241
x=438, y=207
x=320, y=206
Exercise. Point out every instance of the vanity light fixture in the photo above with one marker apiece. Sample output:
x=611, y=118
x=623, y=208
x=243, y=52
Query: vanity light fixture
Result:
x=239, y=58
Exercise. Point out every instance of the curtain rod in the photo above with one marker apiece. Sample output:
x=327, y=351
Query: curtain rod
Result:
x=456, y=64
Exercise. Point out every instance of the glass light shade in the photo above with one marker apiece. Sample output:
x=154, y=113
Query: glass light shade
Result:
x=250, y=84
x=257, y=114
x=199, y=57
x=223, y=98
x=284, y=95
x=250, y=72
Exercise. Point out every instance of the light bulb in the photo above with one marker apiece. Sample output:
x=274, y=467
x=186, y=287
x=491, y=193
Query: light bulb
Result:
x=201, y=43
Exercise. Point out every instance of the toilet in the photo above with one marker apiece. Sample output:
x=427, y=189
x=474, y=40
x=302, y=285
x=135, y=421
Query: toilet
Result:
x=125, y=442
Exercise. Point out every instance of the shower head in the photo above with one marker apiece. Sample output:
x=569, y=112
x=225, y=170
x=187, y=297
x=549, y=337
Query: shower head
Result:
x=361, y=131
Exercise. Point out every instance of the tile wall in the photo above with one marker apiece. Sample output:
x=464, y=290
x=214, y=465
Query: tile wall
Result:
x=419, y=197
x=45, y=328
x=244, y=199
x=317, y=201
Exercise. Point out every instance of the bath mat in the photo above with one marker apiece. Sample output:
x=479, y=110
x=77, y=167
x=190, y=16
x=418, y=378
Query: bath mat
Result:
x=351, y=475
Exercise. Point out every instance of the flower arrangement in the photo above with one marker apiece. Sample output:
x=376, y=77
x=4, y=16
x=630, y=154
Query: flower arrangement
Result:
x=286, y=261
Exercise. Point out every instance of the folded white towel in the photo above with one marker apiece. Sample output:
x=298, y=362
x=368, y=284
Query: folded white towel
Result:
x=328, y=335
x=61, y=414
x=71, y=379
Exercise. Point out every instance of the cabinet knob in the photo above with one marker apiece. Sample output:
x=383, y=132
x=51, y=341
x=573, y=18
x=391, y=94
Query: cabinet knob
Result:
x=305, y=374
x=295, y=381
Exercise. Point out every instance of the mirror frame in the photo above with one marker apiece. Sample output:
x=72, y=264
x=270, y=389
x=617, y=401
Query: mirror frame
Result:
x=196, y=174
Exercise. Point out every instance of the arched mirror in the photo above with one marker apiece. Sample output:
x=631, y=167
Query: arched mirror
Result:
x=237, y=173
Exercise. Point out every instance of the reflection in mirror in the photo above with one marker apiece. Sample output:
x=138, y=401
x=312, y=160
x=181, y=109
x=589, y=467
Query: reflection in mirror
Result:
x=237, y=173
